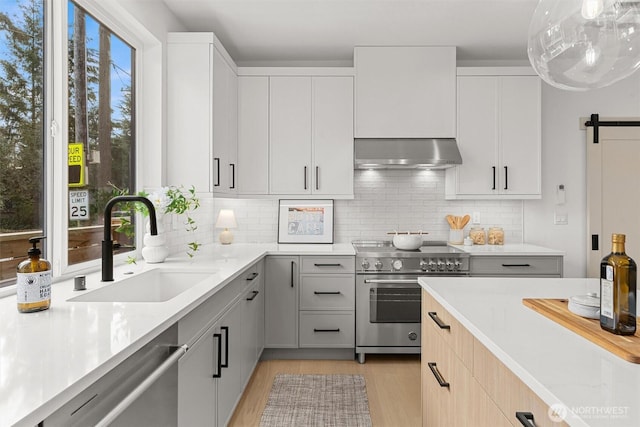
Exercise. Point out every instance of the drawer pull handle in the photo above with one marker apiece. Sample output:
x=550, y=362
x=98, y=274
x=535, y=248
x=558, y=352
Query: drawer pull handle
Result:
x=293, y=263
x=326, y=330
x=218, y=373
x=440, y=323
x=526, y=419
x=226, y=347
x=252, y=297
x=252, y=277
x=516, y=265
x=436, y=373
x=328, y=265
x=327, y=293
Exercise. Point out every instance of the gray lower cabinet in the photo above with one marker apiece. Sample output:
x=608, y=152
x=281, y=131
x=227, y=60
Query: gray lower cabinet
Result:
x=223, y=335
x=281, y=301
x=310, y=302
x=516, y=266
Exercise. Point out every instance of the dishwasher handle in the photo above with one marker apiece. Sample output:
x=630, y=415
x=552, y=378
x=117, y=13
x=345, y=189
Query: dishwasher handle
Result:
x=143, y=386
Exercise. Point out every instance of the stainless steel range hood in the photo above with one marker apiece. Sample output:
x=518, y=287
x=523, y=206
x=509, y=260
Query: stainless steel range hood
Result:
x=401, y=153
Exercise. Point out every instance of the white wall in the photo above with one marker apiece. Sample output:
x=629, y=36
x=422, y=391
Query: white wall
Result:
x=564, y=162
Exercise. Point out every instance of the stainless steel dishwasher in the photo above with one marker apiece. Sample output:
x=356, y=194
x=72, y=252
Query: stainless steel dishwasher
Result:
x=141, y=391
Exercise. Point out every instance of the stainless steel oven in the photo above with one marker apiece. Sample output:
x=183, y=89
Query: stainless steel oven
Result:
x=388, y=297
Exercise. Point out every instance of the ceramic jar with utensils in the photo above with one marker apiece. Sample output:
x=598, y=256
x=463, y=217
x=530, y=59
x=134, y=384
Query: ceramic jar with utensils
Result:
x=457, y=224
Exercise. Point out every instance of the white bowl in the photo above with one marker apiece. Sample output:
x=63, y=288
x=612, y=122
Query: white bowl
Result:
x=407, y=242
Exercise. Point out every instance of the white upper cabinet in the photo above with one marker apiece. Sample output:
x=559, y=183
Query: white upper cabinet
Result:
x=202, y=114
x=405, y=92
x=332, y=136
x=311, y=135
x=499, y=135
x=290, y=135
x=253, y=135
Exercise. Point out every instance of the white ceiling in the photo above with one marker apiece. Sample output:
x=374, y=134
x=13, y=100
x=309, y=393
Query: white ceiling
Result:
x=324, y=32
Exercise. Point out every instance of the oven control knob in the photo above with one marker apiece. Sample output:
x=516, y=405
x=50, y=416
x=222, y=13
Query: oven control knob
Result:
x=397, y=264
x=365, y=264
x=457, y=265
x=378, y=265
x=440, y=265
x=413, y=336
x=424, y=266
x=449, y=265
x=432, y=265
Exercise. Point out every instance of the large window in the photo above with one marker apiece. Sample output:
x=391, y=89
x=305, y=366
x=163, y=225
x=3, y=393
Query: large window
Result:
x=22, y=208
x=97, y=101
x=101, y=143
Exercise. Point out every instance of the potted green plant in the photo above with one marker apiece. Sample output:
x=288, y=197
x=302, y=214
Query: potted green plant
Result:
x=167, y=200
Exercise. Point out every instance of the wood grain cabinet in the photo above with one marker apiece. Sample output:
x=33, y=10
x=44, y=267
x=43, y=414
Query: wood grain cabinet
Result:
x=463, y=384
x=499, y=135
x=202, y=112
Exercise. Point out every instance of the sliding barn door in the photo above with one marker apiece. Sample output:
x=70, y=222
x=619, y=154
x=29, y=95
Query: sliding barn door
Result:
x=613, y=192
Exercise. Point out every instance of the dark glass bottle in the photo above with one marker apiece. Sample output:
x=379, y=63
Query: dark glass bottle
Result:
x=618, y=290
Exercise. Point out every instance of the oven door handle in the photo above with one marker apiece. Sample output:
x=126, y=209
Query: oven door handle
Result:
x=389, y=281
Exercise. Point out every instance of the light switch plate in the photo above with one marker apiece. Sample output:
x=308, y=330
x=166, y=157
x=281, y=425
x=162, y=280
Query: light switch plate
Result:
x=561, y=218
x=475, y=219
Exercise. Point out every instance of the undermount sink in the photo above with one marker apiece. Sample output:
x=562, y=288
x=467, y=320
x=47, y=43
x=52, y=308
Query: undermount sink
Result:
x=150, y=286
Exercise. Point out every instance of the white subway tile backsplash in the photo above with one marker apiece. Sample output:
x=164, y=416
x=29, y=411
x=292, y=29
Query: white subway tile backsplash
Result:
x=385, y=200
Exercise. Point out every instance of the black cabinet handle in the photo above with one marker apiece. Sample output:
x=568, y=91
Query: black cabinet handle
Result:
x=516, y=265
x=218, y=373
x=226, y=347
x=506, y=178
x=217, y=160
x=328, y=265
x=317, y=175
x=252, y=277
x=305, y=177
x=252, y=297
x=436, y=373
x=233, y=176
x=526, y=419
x=326, y=330
x=440, y=323
x=327, y=293
x=292, y=264
x=494, y=177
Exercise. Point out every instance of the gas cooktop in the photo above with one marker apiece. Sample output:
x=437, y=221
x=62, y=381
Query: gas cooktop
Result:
x=380, y=256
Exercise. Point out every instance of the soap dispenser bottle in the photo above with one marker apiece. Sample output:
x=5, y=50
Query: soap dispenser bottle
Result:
x=34, y=281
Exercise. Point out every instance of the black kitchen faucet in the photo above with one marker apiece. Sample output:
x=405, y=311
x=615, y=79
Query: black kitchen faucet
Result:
x=107, y=243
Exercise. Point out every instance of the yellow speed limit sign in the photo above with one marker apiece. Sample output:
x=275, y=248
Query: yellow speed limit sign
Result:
x=76, y=165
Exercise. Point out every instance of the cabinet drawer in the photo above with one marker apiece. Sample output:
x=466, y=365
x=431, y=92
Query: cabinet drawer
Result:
x=327, y=329
x=328, y=264
x=516, y=266
x=507, y=390
x=452, y=332
x=321, y=292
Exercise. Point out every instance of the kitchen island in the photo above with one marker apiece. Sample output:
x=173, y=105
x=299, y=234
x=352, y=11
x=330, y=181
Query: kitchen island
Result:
x=48, y=357
x=507, y=350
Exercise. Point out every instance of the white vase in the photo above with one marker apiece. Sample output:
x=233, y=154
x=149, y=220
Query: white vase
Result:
x=155, y=249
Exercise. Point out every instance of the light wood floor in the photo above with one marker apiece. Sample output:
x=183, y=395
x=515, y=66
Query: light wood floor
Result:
x=393, y=387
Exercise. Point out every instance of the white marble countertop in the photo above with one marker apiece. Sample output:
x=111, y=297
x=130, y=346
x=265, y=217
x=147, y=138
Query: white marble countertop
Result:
x=509, y=249
x=558, y=365
x=50, y=356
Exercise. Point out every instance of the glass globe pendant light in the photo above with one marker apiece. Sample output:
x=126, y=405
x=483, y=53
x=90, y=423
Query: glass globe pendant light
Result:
x=584, y=44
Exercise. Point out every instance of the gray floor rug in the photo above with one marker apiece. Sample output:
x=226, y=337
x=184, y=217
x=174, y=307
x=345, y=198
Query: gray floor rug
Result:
x=317, y=400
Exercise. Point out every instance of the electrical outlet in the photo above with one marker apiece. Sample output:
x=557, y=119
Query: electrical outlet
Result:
x=475, y=219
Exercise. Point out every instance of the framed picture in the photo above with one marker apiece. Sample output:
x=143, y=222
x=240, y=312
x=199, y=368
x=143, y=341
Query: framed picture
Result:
x=305, y=221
